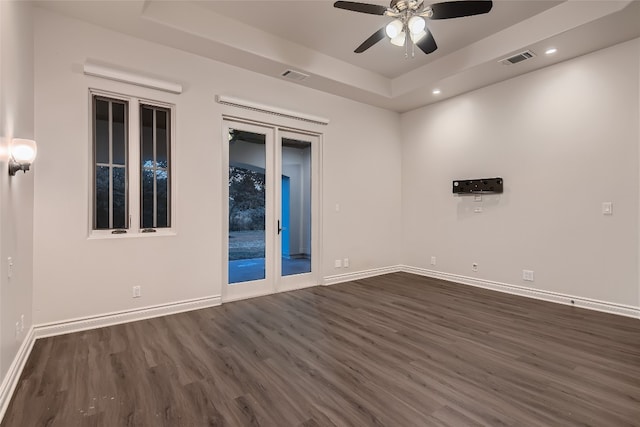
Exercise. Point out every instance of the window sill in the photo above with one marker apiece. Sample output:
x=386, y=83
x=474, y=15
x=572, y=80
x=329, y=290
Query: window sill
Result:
x=105, y=235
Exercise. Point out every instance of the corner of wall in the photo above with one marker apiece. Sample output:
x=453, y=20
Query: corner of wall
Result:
x=16, y=193
x=543, y=221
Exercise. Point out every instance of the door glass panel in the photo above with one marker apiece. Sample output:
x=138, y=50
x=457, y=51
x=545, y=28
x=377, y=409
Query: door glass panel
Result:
x=296, y=207
x=247, y=160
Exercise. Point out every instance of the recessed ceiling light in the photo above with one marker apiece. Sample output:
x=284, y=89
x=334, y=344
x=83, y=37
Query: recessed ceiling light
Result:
x=436, y=92
x=551, y=51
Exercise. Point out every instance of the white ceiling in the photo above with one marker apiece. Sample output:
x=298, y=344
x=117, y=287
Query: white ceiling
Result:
x=315, y=38
x=335, y=32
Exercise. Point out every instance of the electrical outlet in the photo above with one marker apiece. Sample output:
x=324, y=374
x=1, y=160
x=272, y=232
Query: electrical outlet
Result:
x=9, y=267
x=17, y=330
x=527, y=275
x=345, y=262
x=433, y=260
x=474, y=266
x=338, y=263
x=137, y=291
x=22, y=323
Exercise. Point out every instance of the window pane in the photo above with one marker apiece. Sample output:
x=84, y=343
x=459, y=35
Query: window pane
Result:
x=247, y=198
x=119, y=133
x=161, y=138
x=155, y=160
x=110, y=168
x=119, y=198
x=162, y=199
x=101, y=131
x=296, y=206
x=147, y=198
x=102, y=198
x=146, y=119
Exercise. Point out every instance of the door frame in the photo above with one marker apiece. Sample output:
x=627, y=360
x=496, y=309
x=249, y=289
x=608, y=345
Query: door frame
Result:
x=273, y=282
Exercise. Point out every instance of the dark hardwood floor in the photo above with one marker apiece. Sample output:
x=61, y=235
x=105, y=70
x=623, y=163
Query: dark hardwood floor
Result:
x=395, y=350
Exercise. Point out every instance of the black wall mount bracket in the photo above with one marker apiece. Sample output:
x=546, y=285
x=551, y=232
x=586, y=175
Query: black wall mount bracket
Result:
x=478, y=186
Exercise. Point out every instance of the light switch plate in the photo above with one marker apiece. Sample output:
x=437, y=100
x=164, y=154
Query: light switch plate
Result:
x=607, y=208
x=527, y=275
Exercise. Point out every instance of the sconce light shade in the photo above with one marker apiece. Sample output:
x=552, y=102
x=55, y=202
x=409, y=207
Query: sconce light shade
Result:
x=22, y=153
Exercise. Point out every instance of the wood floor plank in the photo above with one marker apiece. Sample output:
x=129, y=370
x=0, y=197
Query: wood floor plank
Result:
x=393, y=350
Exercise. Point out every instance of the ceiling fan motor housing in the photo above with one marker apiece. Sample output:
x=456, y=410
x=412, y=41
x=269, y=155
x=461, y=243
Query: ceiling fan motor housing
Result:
x=402, y=5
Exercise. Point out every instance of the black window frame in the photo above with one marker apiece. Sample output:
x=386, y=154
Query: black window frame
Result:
x=110, y=165
x=155, y=168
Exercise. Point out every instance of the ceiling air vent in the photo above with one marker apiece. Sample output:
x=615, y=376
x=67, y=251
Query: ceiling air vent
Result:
x=294, y=75
x=519, y=57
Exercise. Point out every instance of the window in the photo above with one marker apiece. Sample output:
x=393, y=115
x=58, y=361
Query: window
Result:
x=123, y=170
x=110, y=164
x=155, y=153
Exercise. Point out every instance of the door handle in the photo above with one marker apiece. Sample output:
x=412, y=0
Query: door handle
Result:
x=279, y=229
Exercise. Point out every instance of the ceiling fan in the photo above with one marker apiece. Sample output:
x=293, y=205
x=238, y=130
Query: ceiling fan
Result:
x=410, y=20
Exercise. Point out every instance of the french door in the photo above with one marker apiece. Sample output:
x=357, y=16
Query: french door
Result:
x=271, y=188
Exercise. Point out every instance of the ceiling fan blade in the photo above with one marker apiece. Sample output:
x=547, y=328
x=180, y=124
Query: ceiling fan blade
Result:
x=375, y=38
x=458, y=9
x=427, y=43
x=372, y=9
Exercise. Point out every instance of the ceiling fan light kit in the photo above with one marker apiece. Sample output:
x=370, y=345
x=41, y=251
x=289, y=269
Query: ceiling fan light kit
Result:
x=399, y=39
x=410, y=19
x=416, y=24
x=415, y=37
x=394, y=28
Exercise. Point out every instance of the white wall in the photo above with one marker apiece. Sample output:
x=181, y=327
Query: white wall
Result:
x=565, y=139
x=76, y=277
x=16, y=193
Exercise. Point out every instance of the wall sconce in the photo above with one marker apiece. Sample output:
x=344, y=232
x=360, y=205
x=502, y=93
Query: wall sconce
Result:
x=22, y=152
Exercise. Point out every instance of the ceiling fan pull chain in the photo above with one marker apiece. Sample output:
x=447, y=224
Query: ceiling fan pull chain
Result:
x=406, y=41
x=413, y=49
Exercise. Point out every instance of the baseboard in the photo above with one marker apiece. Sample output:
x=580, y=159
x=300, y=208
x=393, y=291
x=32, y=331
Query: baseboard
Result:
x=108, y=319
x=235, y=298
x=348, y=277
x=575, y=301
x=10, y=380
